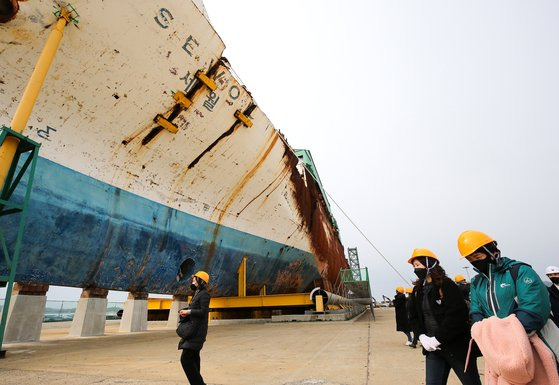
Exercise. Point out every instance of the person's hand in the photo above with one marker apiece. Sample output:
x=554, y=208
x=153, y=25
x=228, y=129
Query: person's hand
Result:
x=184, y=313
x=435, y=343
x=429, y=343
x=424, y=341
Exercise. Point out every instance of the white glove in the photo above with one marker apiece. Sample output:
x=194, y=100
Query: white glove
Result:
x=435, y=343
x=429, y=343
x=424, y=341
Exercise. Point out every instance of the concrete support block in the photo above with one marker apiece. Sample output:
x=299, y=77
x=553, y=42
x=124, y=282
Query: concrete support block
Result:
x=91, y=313
x=135, y=314
x=179, y=302
x=25, y=315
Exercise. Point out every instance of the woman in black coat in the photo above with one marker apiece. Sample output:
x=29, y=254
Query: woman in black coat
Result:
x=439, y=316
x=193, y=328
x=402, y=324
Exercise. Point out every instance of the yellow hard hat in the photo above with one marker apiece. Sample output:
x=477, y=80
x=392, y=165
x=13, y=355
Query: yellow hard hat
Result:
x=409, y=290
x=203, y=276
x=471, y=240
x=459, y=278
x=422, y=253
x=400, y=289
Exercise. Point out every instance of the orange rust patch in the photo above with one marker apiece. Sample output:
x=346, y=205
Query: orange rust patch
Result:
x=289, y=280
x=325, y=241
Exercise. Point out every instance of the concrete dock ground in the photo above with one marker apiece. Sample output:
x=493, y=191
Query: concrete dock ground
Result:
x=356, y=352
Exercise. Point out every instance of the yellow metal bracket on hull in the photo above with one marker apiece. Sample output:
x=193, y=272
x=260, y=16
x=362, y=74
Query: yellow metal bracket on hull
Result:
x=166, y=124
x=243, y=118
x=181, y=99
x=206, y=80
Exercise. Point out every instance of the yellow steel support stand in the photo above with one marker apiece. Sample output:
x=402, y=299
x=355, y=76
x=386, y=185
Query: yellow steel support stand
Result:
x=255, y=303
x=319, y=304
x=19, y=121
x=250, y=301
x=242, y=278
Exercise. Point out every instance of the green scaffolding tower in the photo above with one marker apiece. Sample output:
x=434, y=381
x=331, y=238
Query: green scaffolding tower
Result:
x=23, y=165
x=356, y=278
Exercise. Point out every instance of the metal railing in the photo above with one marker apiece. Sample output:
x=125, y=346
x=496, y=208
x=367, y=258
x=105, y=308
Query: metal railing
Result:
x=352, y=275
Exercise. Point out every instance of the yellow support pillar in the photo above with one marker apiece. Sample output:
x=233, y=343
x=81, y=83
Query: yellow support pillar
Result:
x=319, y=304
x=242, y=278
x=19, y=121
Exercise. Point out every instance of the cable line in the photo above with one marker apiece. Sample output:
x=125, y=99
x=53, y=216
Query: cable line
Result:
x=364, y=236
x=343, y=212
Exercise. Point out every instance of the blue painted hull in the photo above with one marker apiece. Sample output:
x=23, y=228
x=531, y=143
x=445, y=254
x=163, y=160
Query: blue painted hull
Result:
x=85, y=233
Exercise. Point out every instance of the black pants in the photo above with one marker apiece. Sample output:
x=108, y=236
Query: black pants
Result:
x=410, y=338
x=439, y=363
x=190, y=361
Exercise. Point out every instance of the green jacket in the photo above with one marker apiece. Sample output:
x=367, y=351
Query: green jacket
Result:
x=496, y=296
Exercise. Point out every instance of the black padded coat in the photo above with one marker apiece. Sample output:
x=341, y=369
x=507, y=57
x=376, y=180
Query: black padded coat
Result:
x=450, y=312
x=193, y=328
x=402, y=324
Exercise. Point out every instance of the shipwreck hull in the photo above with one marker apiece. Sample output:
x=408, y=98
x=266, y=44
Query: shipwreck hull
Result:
x=81, y=232
x=120, y=202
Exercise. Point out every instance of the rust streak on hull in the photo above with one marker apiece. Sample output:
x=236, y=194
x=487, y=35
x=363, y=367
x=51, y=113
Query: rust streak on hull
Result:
x=325, y=241
x=238, y=188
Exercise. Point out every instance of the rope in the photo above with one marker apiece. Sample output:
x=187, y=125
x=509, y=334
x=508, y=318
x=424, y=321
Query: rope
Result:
x=364, y=236
x=343, y=212
x=348, y=218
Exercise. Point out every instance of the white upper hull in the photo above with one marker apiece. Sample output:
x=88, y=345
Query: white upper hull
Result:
x=115, y=73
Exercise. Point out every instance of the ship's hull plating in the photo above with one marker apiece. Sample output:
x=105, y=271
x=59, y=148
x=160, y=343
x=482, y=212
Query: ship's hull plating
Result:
x=120, y=202
x=82, y=232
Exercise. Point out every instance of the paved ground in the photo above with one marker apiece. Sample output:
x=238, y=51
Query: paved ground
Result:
x=392, y=361
x=357, y=352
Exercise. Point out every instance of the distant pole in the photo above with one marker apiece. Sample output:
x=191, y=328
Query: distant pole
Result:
x=467, y=273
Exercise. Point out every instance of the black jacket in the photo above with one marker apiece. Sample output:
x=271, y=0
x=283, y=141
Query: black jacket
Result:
x=465, y=290
x=450, y=312
x=193, y=328
x=554, y=298
x=402, y=324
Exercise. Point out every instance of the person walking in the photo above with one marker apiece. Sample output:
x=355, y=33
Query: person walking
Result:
x=502, y=286
x=193, y=328
x=464, y=287
x=409, y=290
x=552, y=273
x=402, y=324
x=439, y=316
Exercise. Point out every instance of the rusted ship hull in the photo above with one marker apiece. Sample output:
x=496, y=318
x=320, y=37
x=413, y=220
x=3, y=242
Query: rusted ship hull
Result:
x=121, y=202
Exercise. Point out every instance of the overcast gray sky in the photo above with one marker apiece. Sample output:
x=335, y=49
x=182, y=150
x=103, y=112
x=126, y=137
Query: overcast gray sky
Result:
x=424, y=118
